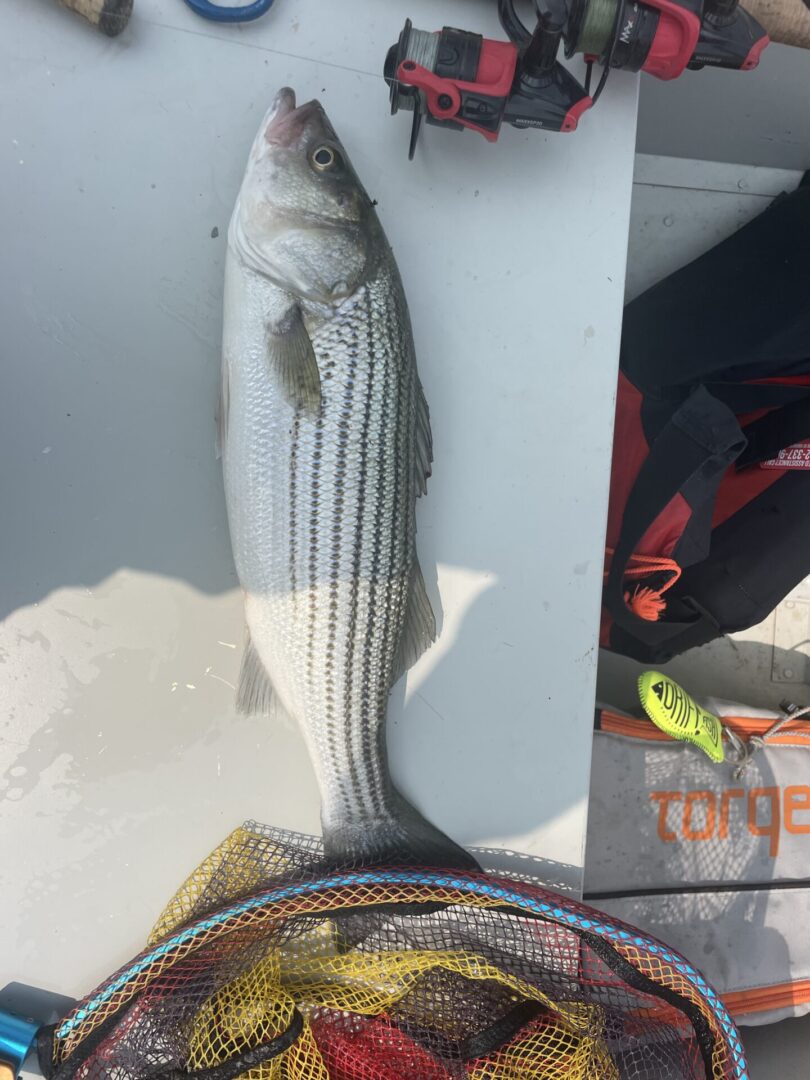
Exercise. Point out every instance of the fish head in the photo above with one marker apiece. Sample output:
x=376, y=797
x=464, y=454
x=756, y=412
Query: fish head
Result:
x=303, y=218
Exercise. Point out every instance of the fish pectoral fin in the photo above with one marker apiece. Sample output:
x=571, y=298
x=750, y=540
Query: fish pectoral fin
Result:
x=292, y=357
x=255, y=693
x=419, y=627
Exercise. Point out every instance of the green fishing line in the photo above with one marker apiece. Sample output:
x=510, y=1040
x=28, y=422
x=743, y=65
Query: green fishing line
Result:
x=597, y=27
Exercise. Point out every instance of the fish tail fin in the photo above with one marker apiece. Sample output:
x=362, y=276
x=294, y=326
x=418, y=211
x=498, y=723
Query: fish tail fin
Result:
x=400, y=836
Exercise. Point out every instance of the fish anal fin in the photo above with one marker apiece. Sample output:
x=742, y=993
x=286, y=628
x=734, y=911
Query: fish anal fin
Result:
x=292, y=358
x=254, y=694
x=419, y=627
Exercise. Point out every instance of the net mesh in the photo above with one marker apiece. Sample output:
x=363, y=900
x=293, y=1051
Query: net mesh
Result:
x=270, y=966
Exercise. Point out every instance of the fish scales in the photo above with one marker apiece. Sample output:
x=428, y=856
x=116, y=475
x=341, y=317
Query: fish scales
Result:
x=326, y=534
x=321, y=481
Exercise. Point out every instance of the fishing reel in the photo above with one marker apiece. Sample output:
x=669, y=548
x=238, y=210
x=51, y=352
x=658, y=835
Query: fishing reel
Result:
x=457, y=79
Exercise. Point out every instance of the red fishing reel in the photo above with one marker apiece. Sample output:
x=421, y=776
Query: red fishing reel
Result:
x=458, y=79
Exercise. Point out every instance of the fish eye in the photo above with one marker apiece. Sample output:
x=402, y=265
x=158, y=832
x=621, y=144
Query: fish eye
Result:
x=324, y=158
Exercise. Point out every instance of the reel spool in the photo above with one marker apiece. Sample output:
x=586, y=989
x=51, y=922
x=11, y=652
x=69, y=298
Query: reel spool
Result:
x=459, y=79
x=665, y=37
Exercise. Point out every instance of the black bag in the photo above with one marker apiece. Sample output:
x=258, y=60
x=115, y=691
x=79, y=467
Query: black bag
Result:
x=709, y=521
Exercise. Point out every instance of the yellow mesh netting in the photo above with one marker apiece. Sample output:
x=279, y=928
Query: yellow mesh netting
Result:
x=227, y=872
x=268, y=966
x=551, y=1052
x=257, y=1007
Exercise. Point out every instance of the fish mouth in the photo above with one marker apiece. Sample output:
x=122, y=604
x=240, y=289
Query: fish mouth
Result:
x=287, y=122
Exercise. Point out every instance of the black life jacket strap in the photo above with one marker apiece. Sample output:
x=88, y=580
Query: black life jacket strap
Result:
x=775, y=431
x=701, y=439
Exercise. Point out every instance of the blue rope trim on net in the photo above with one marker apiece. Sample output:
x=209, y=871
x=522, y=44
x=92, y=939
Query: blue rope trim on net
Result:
x=437, y=879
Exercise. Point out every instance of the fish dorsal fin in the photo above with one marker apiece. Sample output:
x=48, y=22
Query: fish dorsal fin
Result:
x=419, y=627
x=254, y=693
x=292, y=357
x=424, y=441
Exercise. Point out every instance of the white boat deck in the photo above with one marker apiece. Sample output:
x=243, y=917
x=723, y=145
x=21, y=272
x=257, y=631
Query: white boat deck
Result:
x=123, y=761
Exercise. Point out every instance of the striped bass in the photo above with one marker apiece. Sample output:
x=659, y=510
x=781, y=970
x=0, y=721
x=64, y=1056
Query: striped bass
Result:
x=326, y=444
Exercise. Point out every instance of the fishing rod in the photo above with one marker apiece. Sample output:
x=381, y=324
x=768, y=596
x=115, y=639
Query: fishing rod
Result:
x=458, y=79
